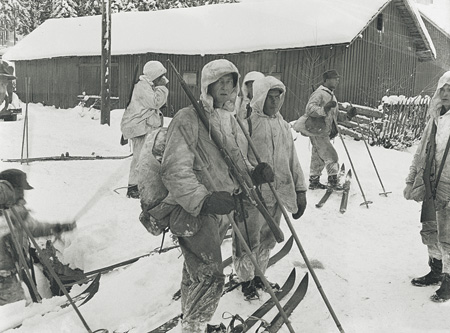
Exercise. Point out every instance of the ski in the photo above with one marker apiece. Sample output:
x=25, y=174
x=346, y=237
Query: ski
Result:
x=261, y=311
x=324, y=198
x=233, y=284
x=67, y=157
x=346, y=186
x=289, y=307
x=81, y=299
x=329, y=190
x=269, y=304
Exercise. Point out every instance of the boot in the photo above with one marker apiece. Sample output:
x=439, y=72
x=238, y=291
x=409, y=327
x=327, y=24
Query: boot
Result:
x=215, y=328
x=333, y=183
x=249, y=290
x=314, y=183
x=260, y=284
x=433, y=277
x=133, y=192
x=443, y=293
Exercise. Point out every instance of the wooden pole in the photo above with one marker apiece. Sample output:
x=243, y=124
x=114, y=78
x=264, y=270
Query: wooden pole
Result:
x=106, y=63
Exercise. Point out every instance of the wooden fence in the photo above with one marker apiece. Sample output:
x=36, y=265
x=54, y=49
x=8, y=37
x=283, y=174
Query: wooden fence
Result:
x=396, y=126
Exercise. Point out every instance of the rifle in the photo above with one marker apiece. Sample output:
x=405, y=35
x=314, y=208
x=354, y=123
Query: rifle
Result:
x=428, y=212
x=247, y=187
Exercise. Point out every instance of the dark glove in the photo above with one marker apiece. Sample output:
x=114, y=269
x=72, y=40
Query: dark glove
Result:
x=327, y=107
x=220, y=203
x=301, y=204
x=262, y=173
x=351, y=113
x=59, y=228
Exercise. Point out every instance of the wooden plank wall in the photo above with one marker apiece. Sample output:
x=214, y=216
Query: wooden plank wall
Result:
x=378, y=64
x=428, y=73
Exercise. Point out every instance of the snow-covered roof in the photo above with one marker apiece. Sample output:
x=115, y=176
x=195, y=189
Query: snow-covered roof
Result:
x=438, y=14
x=214, y=29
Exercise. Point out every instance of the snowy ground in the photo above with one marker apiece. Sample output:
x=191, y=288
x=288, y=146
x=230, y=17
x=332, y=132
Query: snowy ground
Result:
x=365, y=257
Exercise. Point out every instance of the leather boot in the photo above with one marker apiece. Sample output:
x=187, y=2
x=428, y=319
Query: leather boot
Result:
x=434, y=277
x=314, y=183
x=443, y=293
x=333, y=183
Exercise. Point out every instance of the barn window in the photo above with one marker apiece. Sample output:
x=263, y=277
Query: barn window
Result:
x=190, y=78
x=380, y=22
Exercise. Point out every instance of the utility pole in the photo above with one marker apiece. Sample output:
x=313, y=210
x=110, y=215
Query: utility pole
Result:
x=106, y=63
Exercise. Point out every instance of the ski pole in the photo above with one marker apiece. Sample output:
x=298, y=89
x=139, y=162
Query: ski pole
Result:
x=294, y=233
x=353, y=167
x=371, y=158
x=33, y=289
x=47, y=263
x=237, y=231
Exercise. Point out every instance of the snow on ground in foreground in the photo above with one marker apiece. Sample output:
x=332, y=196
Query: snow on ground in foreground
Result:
x=364, y=258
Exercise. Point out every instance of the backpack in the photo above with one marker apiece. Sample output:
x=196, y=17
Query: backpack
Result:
x=155, y=213
x=310, y=126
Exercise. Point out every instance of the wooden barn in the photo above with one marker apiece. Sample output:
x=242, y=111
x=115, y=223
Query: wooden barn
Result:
x=378, y=46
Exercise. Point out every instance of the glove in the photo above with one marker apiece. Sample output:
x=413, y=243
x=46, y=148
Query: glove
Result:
x=262, y=173
x=301, y=204
x=59, y=228
x=219, y=203
x=351, y=113
x=327, y=107
x=407, y=192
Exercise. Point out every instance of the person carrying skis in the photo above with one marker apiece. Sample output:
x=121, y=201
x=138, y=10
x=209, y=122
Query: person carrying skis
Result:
x=198, y=219
x=274, y=144
x=431, y=160
x=13, y=182
x=243, y=109
x=143, y=114
x=322, y=106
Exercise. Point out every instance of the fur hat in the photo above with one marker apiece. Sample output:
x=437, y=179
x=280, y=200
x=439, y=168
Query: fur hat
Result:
x=16, y=178
x=331, y=74
x=6, y=71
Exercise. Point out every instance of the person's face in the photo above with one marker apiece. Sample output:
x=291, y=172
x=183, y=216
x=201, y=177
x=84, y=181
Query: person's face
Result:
x=3, y=85
x=332, y=83
x=249, y=86
x=444, y=94
x=221, y=90
x=272, y=102
x=159, y=81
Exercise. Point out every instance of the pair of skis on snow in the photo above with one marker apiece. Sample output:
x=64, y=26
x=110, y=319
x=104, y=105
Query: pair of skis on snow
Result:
x=257, y=315
x=345, y=191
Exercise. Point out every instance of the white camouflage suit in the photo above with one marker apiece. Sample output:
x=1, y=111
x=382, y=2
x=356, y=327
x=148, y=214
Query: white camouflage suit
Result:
x=323, y=154
x=435, y=234
x=142, y=115
x=200, y=236
x=274, y=144
x=244, y=101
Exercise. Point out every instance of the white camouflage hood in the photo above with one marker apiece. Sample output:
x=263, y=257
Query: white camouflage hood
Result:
x=260, y=89
x=250, y=76
x=212, y=72
x=436, y=103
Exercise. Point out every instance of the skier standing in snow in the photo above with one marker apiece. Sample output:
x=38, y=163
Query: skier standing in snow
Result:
x=199, y=220
x=13, y=182
x=430, y=158
x=143, y=114
x=274, y=144
x=322, y=105
x=243, y=107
